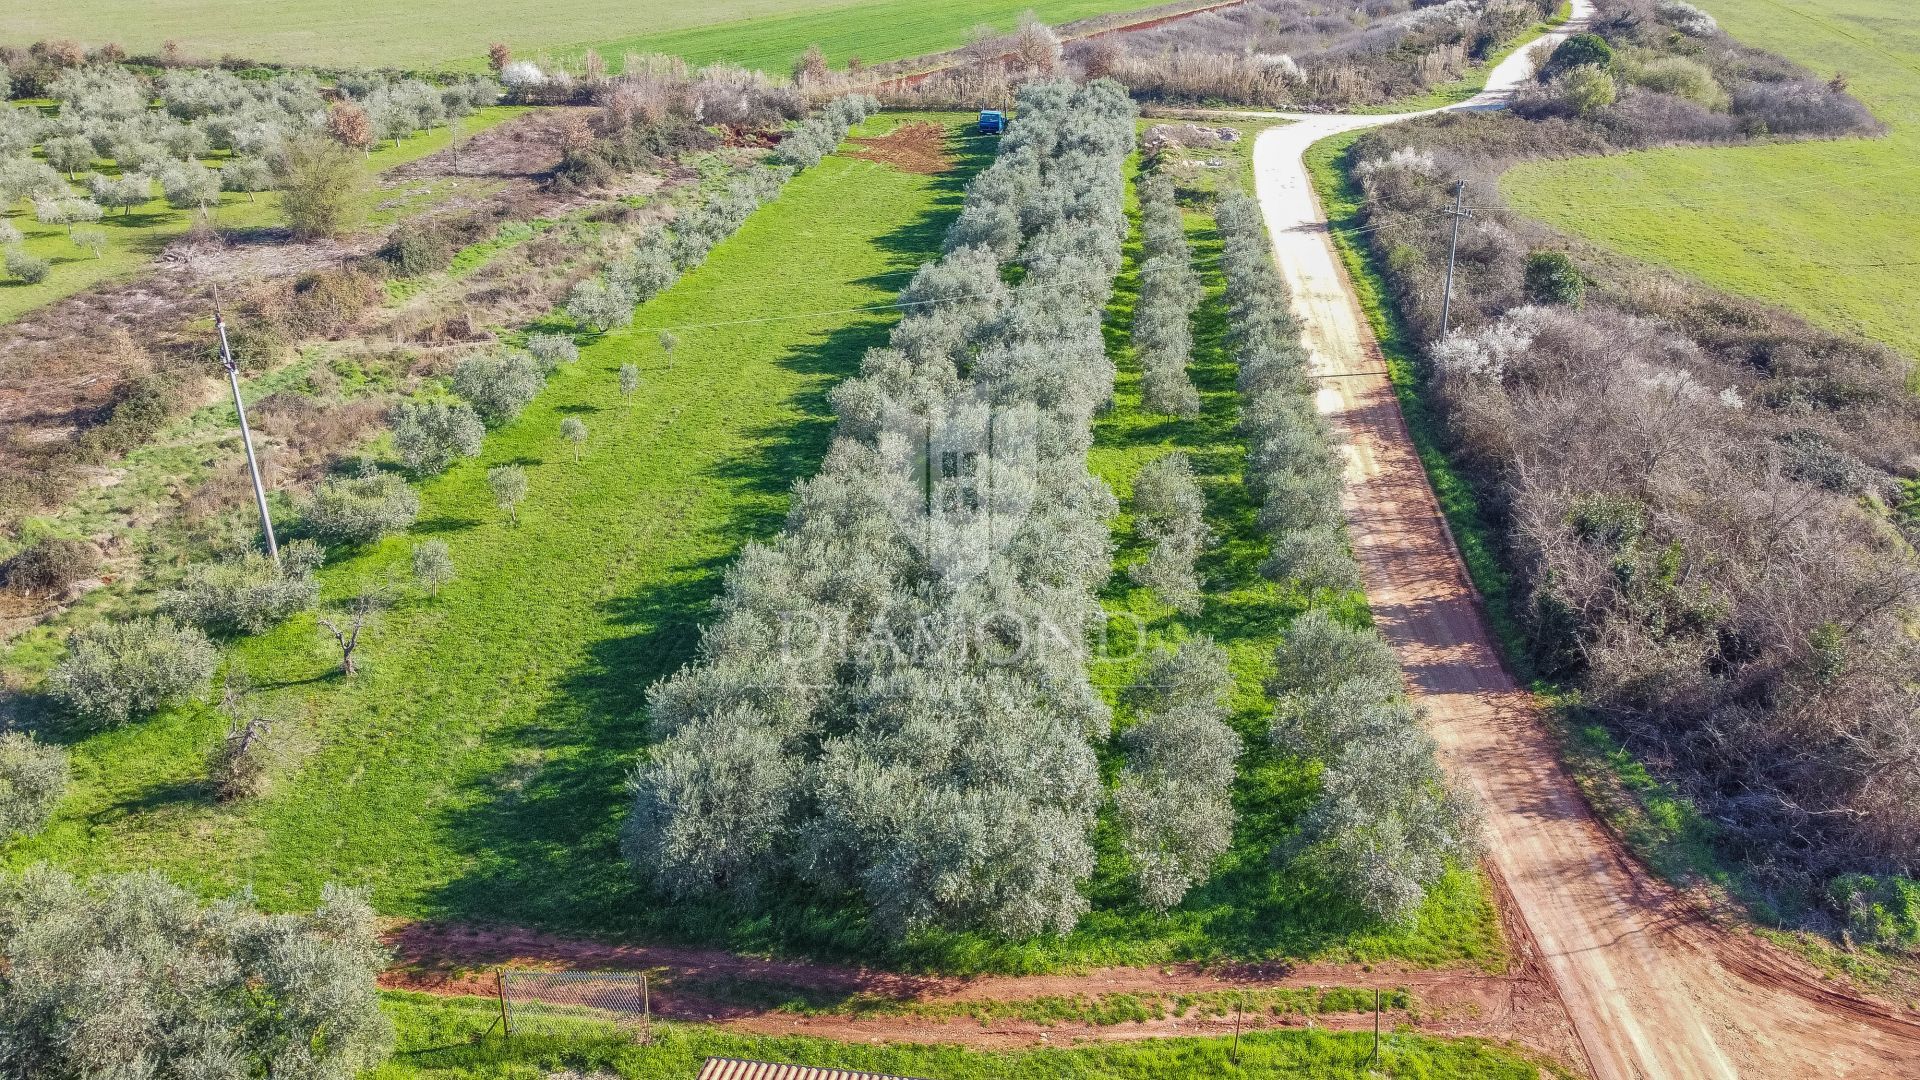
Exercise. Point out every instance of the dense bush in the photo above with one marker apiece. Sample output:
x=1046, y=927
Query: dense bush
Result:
x=948, y=780
x=1163, y=313
x=359, y=509
x=553, y=350
x=1687, y=487
x=248, y=594
x=115, y=671
x=129, y=975
x=33, y=776
x=428, y=436
x=1552, y=278
x=50, y=565
x=237, y=766
x=499, y=384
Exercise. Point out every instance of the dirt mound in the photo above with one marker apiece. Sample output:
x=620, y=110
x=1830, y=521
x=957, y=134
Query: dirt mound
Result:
x=919, y=147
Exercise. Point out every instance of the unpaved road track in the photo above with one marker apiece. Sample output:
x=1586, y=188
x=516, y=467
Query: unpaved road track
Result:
x=1653, y=990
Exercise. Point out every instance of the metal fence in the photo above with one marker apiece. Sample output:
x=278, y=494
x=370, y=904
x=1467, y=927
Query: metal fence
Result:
x=558, y=1002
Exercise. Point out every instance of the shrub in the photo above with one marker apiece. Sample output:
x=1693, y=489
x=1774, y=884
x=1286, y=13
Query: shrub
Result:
x=27, y=266
x=499, y=385
x=248, y=594
x=320, y=184
x=432, y=565
x=360, y=509
x=1586, y=90
x=1552, y=278
x=1579, y=50
x=552, y=350
x=115, y=671
x=51, y=565
x=1687, y=79
x=428, y=436
x=219, y=991
x=33, y=776
x=645, y=272
x=417, y=249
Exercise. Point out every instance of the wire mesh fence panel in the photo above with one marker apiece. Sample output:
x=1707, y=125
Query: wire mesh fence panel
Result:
x=566, y=1003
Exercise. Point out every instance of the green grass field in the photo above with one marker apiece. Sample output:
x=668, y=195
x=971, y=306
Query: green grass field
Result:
x=475, y=768
x=137, y=235
x=1828, y=229
x=438, y=1042
x=766, y=34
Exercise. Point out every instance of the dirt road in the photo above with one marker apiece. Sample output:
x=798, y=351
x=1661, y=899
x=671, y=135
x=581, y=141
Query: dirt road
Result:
x=1652, y=989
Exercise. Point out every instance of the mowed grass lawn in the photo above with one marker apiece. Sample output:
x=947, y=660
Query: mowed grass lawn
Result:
x=475, y=768
x=135, y=236
x=766, y=34
x=1829, y=229
x=445, y=1039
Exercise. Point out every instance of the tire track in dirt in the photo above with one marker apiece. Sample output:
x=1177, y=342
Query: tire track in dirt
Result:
x=861, y=1005
x=1653, y=989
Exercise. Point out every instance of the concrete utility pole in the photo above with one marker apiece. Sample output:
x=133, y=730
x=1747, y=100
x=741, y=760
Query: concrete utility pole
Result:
x=1459, y=211
x=246, y=435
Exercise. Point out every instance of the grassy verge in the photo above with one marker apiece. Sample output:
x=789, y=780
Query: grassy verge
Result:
x=440, y=1040
x=136, y=236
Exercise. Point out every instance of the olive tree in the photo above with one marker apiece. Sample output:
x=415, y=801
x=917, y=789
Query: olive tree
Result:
x=509, y=486
x=131, y=975
x=70, y=154
x=188, y=185
x=552, y=350
x=1169, y=512
x=33, y=776
x=124, y=192
x=498, y=385
x=428, y=436
x=432, y=565
x=574, y=430
x=1173, y=801
x=360, y=509
x=115, y=671
x=246, y=595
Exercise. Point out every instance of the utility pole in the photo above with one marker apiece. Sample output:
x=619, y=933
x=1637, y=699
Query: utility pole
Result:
x=246, y=435
x=1453, y=247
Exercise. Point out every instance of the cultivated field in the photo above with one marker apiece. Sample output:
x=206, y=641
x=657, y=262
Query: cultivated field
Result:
x=445, y=33
x=1825, y=228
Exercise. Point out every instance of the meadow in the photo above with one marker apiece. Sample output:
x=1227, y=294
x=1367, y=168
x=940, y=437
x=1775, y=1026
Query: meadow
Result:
x=137, y=235
x=766, y=34
x=440, y=1039
x=1825, y=228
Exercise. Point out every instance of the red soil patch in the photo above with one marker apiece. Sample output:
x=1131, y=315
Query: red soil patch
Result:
x=919, y=147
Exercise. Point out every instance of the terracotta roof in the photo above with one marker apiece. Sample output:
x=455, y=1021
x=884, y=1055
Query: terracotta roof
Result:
x=738, y=1069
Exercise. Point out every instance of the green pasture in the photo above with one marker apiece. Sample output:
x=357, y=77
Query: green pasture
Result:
x=765, y=34
x=1829, y=228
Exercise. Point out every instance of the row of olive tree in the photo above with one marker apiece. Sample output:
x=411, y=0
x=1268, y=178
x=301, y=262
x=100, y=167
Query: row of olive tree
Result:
x=1291, y=462
x=816, y=136
x=1169, y=511
x=892, y=702
x=1163, y=314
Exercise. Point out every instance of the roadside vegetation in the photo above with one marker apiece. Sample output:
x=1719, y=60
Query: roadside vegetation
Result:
x=438, y=1040
x=1718, y=573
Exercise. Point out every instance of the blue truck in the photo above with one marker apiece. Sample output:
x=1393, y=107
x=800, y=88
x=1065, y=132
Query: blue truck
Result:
x=992, y=121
